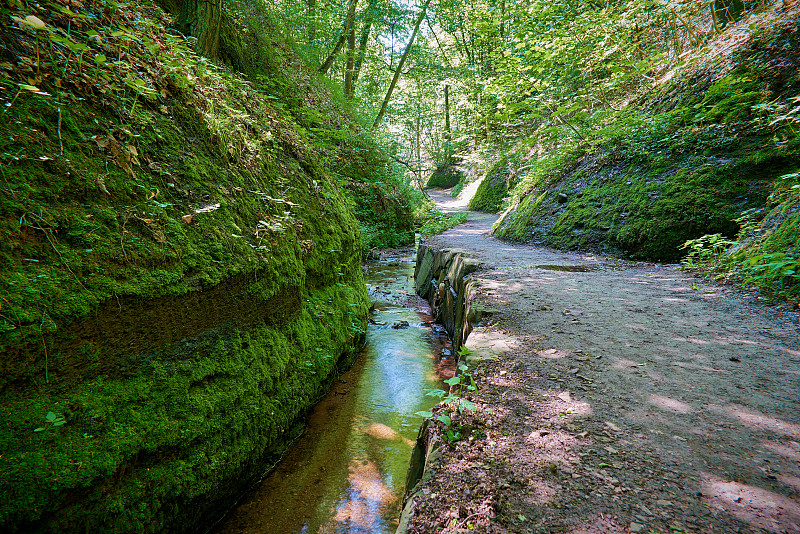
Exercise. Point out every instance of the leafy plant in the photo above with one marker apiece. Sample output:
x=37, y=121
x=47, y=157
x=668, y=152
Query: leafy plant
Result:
x=778, y=271
x=458, y=385
x=436, y=222
x=705, y=251
x=53, y=420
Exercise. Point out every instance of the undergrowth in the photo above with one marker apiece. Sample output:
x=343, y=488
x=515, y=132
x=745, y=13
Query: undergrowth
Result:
x=431, y=221
x=642, y=180
x=765, y=254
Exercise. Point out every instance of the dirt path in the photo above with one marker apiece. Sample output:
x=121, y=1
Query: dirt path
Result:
x=623, y=397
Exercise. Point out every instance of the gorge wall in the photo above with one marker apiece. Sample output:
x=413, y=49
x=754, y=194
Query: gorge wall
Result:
x=180, y=270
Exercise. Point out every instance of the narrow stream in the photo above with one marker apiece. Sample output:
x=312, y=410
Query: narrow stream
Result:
x=347, y=473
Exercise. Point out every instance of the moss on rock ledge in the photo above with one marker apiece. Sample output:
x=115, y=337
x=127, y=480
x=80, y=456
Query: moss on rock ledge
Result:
x=687, y=161
x=494, y=186
x=181, y=281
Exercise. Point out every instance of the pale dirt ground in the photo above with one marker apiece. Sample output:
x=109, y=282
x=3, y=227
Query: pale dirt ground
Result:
x=623, y=397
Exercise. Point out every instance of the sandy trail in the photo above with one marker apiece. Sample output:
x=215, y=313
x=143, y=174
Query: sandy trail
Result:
x=624, y=397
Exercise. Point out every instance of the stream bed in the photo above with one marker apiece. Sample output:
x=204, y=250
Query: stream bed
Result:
x=347, y=472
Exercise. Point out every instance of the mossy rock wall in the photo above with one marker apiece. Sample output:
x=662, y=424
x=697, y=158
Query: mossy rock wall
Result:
x=673, y=170
x=180, y=285
x=446, y=175
x=494, y=186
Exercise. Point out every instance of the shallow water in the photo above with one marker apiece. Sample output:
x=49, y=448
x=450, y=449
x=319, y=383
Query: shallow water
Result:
x=347, y=473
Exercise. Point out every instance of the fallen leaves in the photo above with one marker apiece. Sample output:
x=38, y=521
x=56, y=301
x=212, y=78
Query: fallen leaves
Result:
x=124, y=157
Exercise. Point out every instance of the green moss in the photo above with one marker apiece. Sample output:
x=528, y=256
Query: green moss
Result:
x=493, y=188
x=176, y=430
x=661, y=178
x=181, y=281
x=445, y=176
x=515, y=224
x=383, y=209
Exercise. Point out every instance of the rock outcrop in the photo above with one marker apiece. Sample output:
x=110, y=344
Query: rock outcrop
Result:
x=442, y=278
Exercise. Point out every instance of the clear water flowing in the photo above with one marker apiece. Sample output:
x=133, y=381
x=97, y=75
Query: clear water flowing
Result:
x=347, y=473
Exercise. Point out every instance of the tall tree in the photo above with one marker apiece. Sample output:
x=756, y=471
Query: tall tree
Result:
x=399, y=69
x=348, y=22
x=362, y=45
x=349, y=88
x=311, y=15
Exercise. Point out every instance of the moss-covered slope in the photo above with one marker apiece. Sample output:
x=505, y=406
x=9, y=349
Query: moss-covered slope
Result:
x=180, y=271
x=494, y=187
x=349, y=149
x=683, y=162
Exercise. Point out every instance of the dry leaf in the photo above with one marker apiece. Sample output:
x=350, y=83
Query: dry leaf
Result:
x=188, y=218
x=101, y=184
x=35, y=22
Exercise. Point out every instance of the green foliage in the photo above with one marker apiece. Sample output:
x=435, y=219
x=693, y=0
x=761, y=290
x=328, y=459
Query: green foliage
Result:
x=454, y=399
x=647, y=181
x=384, y=204
x=777, y=270
x=766, y=252
x=774, y=273
x=495, y=185
x=431, y=221
x=705, y=250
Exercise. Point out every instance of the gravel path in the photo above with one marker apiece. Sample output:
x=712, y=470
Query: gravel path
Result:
x=617, y=397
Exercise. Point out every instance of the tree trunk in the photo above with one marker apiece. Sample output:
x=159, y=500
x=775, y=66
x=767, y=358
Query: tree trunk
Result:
x=311, y=12
x=202, y=19
x=349, y=88
x=351, y=11
x=502, y=17
x=439, y=44
x=399, y=69
x=362, y=45
x=470, y=54
x=447, y=117
x=419, y=147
